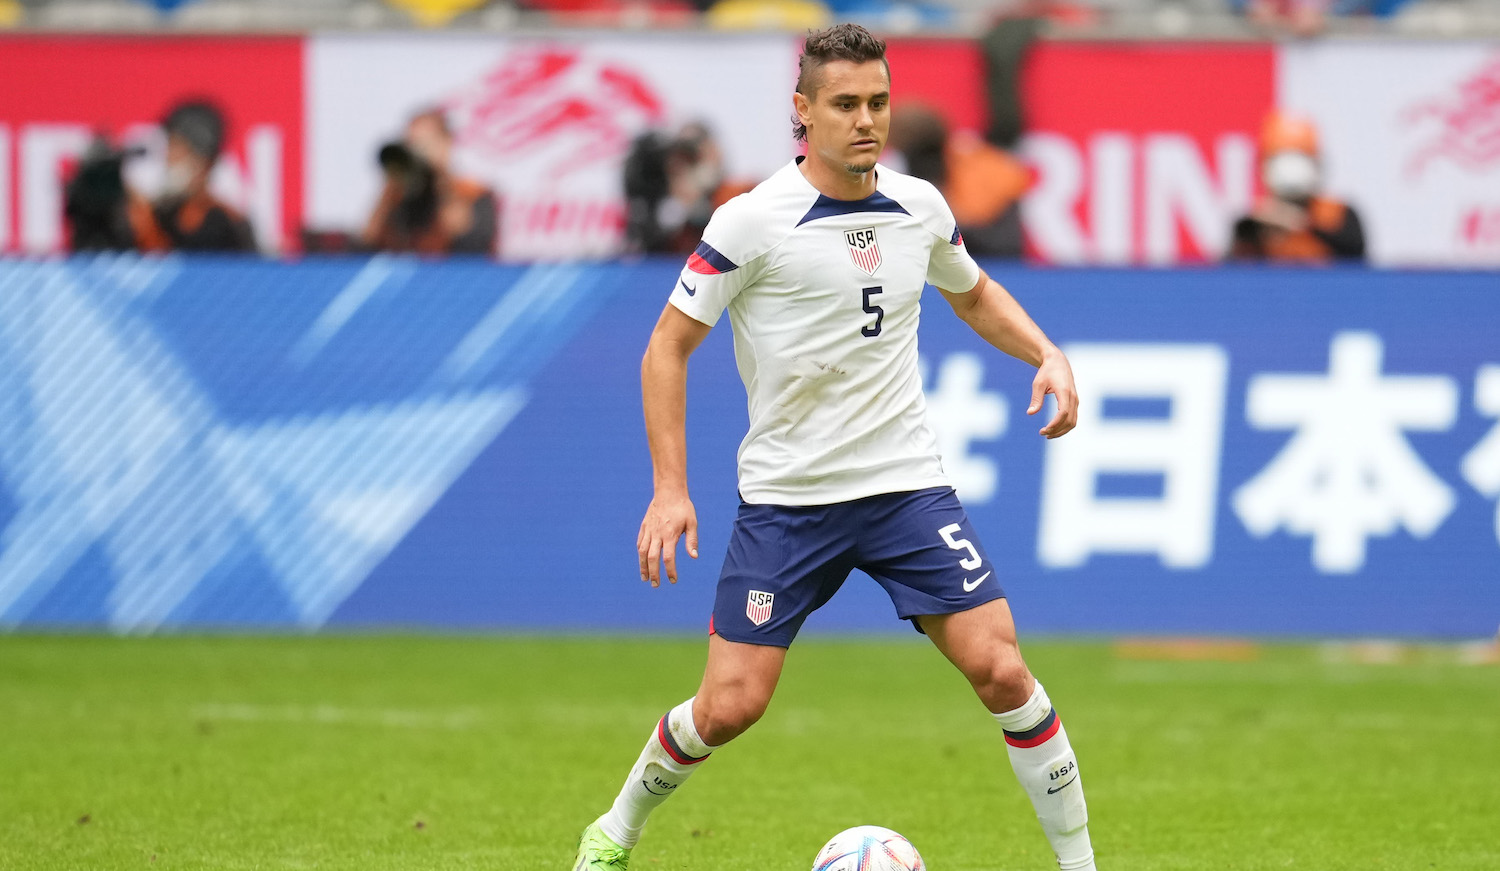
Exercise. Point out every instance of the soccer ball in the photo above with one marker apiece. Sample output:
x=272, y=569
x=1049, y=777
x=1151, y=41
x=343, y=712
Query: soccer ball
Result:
x=868, y=848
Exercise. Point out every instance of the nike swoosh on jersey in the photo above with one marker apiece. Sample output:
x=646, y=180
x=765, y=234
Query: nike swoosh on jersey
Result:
x=1054, y=789
x=969, y=588
x=690, y=290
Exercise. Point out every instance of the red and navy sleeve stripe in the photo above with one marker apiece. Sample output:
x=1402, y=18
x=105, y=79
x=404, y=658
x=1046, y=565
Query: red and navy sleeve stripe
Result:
x=1041, y=733
x=958, y=238
x=707, y=261
x=674, y=750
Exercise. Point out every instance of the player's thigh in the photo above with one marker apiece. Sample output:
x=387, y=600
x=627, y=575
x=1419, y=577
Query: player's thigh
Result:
x=738, y=683
x=982, y=643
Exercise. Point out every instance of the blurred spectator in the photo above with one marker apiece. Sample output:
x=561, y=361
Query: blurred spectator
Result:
x=424, y=207
x=672, y=186
x=1293, y=17
x=983, y=184
x=103, y=213
x=1295, y=222
x=1310, y=17
x=186, y=216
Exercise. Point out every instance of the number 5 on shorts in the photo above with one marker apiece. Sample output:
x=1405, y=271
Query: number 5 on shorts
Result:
x=973, y=560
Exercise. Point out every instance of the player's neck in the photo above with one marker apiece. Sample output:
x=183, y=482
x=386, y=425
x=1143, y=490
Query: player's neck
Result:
x=836, y=181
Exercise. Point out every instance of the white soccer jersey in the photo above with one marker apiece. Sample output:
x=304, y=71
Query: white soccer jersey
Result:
x=823, y=296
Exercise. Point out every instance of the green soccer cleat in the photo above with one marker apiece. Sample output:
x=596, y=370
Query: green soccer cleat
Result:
x=596, y=852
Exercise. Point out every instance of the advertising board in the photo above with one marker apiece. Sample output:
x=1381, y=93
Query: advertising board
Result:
x=375, y=443
x=57, y=92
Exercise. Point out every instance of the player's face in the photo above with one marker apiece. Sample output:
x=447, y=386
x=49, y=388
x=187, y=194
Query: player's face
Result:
x=849, y=117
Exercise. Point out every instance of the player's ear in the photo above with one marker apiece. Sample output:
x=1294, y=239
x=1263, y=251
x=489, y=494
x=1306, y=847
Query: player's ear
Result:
x=802, y=106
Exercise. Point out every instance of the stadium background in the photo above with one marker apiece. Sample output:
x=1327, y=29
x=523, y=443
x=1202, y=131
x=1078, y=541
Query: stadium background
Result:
x=380, y=449
x=527, y=373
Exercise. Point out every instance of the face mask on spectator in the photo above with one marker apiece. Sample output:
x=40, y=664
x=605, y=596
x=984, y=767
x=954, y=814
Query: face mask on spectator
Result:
x=1291, y=175
x=176, y=180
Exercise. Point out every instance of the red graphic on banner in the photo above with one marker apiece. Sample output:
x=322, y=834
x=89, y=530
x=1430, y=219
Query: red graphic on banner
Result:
x=944, y=74
x=1142, y=153
x=1468, y=122
x=562, y=102
x=59, y=91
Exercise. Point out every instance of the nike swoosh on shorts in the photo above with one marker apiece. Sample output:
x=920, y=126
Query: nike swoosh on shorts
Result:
x=969, y=588
x=690, y=290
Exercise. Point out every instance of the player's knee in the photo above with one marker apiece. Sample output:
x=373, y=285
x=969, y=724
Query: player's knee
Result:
x=725, y=719
x=1006, y=684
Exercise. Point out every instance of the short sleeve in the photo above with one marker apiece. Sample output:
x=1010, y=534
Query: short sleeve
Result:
x=715, y=273
x=950, y=267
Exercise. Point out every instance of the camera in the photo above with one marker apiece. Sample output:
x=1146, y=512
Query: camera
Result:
x=416, y=179
x=95, y=201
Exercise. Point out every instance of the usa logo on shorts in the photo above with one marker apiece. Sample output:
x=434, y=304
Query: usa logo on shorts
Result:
x=758, y=609
x=864, y=250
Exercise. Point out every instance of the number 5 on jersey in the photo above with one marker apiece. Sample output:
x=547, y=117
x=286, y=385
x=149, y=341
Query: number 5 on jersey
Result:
x=872, y=330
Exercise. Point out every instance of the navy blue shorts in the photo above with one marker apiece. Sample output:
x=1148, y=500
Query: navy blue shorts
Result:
x=784, y=562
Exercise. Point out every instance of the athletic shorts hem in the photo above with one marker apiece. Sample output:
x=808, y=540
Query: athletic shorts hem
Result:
x=758, y=641
x=957, y=607
x=998, y=593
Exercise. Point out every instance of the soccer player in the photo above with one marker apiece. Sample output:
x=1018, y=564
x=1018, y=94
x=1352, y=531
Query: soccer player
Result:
x=822, y=268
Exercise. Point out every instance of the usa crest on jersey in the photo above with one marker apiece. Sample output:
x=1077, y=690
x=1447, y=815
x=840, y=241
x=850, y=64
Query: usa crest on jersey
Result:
x=758, y=608
x=864, y=249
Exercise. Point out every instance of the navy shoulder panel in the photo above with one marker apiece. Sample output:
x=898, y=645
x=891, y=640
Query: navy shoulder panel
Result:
x=828, y=207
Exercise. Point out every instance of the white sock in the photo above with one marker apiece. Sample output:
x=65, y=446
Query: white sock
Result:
x=1044, y=763
x=671, y=754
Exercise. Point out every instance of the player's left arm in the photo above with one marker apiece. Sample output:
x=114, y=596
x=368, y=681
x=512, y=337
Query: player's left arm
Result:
x=994, y=314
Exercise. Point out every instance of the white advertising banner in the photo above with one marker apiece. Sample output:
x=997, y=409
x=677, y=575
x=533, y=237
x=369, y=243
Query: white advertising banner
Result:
x=1411, y=139
x=546, y=122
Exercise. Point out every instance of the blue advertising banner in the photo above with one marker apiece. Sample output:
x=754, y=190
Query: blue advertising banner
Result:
x=384, y=442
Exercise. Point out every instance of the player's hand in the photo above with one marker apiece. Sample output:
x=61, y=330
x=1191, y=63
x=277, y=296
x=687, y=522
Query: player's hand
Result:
x=667, y=519
x=1055, y=376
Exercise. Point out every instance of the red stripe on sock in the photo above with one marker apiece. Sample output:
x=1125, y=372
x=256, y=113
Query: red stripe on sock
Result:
x=1039, y=739
x=666, y=744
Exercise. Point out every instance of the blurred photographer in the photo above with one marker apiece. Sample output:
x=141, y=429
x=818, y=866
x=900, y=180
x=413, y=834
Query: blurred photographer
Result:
x=1296, y=222
x=672, y=186
x=186, y=216
x=424, y=207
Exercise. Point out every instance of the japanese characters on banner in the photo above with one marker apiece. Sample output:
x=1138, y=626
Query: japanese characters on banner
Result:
x=1286, y=451
x=547, y=123
x=57, y=92
x=1411, y=135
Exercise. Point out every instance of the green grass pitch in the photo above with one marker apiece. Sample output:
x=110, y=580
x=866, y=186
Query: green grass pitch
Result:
x=409, y=752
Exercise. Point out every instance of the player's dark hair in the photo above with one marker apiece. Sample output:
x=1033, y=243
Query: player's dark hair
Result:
x=840, y=42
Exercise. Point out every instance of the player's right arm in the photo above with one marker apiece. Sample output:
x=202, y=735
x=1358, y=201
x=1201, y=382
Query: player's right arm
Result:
x=664, y=396
x=719, y=268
